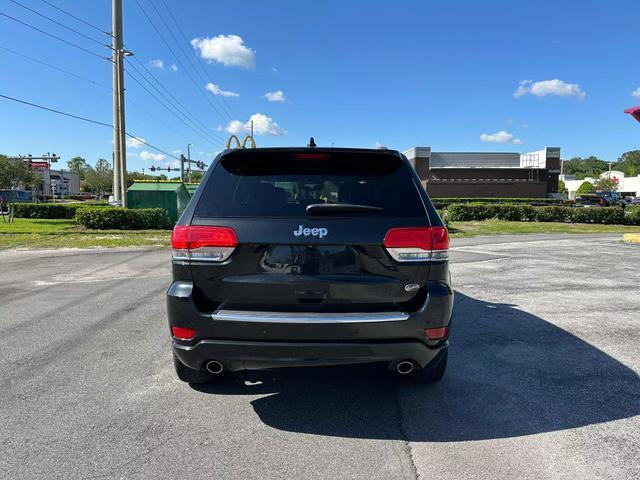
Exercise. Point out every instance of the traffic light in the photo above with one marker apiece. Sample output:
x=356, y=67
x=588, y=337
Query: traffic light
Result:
x=153, y=169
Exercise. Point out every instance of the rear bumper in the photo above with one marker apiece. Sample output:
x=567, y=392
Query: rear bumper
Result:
x=260, y=340
x=243, y=355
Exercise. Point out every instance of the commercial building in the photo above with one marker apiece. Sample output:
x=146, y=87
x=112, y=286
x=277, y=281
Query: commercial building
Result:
x=487, y=174
x=59, y=181
x=627, y=186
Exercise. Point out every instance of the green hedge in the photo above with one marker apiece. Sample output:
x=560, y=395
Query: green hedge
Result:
x=117, y=218
x=632, y=215
x=51, y=210
x=527, y=213
x=442, y=203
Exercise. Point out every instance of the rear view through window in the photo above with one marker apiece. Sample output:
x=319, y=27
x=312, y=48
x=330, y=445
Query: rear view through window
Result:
x=286, y=184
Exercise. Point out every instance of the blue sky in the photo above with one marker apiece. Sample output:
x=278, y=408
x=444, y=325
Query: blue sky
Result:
x=518, y=75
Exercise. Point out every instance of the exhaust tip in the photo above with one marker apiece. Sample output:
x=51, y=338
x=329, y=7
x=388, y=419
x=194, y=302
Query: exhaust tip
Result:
x=404, y=367
x=214, y=367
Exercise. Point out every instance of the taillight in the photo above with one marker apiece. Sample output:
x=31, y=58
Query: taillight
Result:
x=211, y=244
x=437, y=333
x=601, y=201
x=417, y=244
x=183, y=333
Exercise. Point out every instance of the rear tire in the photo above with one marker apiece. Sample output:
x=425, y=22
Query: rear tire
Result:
x=433, y=371
x=190, y=375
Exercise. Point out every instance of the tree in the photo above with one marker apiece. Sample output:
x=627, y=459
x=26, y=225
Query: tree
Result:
x=585, y=187
x=195, y=177
x=100, y=178
x=585, y=167
x=78, y=165
x=629, y=163
x=606, y=184
x=16, y=173
x=562, y=188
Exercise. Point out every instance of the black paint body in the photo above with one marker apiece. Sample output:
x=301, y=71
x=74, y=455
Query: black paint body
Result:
x=346, y=271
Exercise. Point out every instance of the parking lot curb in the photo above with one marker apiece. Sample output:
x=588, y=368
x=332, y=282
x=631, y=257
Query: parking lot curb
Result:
x=631, y=238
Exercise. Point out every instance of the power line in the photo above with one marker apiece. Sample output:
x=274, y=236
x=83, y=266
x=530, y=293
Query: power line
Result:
x=183, y=108
x=135, y=79
x=86, y=79
x=199, y=89
x=85, y=119
x=183, y=117
x=76, y=18
x=187, y=56
x=59, y=23
x=55, y=67
x=55, y=36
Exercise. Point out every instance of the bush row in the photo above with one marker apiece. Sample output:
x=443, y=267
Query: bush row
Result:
x=442, y=203
x=527, y=213
x=51, y=210
x=117, y=218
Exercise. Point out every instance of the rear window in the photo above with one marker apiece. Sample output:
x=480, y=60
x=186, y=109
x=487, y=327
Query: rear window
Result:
x=283, y=184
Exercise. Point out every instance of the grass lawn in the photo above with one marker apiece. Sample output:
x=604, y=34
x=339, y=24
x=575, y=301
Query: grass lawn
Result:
x=500, y=227
x=36, y=233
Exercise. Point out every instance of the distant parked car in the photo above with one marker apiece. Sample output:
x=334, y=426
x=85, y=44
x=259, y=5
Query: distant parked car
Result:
x=634, y=201
x=600, y=199
x=85, y=196
x=16, y=195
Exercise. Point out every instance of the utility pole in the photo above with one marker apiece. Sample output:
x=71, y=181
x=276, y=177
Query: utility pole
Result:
x=182, y=168
x=119, y=137
x=251, y=128
x=116, y=45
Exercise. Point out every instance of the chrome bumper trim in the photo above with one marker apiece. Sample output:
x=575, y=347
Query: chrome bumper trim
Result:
x=307, y=317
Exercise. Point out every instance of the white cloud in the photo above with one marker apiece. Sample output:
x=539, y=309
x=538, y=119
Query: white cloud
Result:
x=216, y=90
x=174, y=68
x=228, y=50
x=235, y=127
x=636, y=92
x=262, y=125
x=549, y=87
x=156, y=157
x=277, y=96
x=500, y=137
x=135, y=142
x=157, y=63
x=176, y=152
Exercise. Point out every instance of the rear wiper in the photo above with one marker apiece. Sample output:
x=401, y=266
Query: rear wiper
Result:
x=329, y=208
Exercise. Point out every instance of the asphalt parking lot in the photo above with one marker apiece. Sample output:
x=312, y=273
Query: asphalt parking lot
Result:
x=542, y=380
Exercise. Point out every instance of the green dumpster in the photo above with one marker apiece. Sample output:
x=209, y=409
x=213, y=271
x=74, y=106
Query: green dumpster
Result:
x=191, y=188
x=172, y=196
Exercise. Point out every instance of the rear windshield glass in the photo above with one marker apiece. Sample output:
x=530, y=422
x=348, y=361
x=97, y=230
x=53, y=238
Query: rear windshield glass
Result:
x=283, y=184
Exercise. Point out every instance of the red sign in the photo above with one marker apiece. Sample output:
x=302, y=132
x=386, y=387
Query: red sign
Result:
x=39, y=165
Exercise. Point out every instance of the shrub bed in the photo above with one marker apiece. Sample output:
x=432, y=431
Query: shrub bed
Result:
x=443, y=203
x=527, y=213
x=51, y=210
x=632, y=215
x=123, y=218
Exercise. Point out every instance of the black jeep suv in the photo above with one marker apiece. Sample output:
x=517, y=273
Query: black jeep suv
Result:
x=310, y=257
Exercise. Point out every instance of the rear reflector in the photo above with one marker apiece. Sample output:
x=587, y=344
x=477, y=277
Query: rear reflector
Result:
x=211, y=244
x=417, y=244
x=437, y=333
x=182, y=333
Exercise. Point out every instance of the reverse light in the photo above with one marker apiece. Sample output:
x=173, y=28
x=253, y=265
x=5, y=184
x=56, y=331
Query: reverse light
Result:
x=209, y=244
x=183, y=333
x=437, y=333
x=417, y=244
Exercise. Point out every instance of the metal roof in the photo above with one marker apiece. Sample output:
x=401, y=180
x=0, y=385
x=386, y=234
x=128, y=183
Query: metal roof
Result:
x=156, y=186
